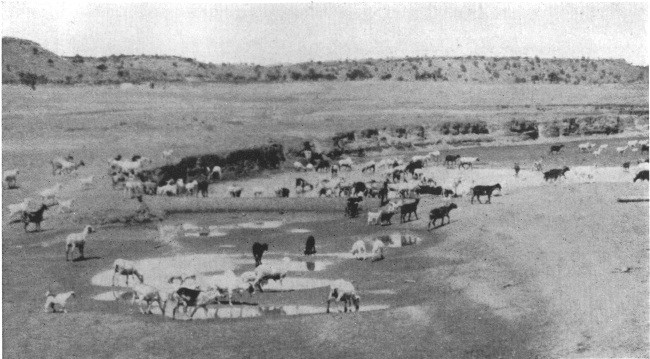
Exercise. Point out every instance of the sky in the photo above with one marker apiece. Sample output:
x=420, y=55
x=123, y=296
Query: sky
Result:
x=272, y=33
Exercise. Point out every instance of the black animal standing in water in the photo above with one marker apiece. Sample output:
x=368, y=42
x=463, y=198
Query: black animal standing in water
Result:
x=310, y=246
x=258, y=251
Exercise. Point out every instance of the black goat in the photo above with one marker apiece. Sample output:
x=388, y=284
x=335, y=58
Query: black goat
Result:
x=440, y=212
x=310, y=246
x=556, y=148
x=359, y=187
x=626, y=166
x=323, y=164
x=258, y=251
x=202, y=187
x=642, y=175
x=644, y=148
x=302, y=184
x=37, y=217
x=555, y=173
x=282, y=192
x=478, y=191
x=413, y=165
x=451, y=159
x=408, y=208
x=385, y=217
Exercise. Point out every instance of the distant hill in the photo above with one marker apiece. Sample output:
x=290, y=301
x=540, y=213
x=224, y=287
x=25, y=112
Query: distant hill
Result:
x=24, y=59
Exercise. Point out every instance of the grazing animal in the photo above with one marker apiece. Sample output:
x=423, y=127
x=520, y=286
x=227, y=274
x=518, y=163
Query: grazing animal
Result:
x=346, y=162
x=440, y=212
x=335, y=170
x=633, y=143
x=190, y=187
x=517, y=169
x=298, y=166
x=359, y=248
x=310, y=246
x=644, y=148
x=10, y=178
x=35, y=217
x=301, y=183
x=555, y=173
x=374, y=217
x=228, y=283
x=60, y=299
x=343, y=291
x=537, y=166
x=369, y=166
x=77, y=240
x=467, y=162
x=50, y=193
x=451, y=159
x=323, y=164
x=235, y=191
x=378, y=249
x=282, y=192
x=385, y=217
x=412, y=166
x=584, y=147
x=202, y=187
x=408, y=208
x=626, y=166
x=598, y=151
x=434, y=155
x=60, y=165
x=479, y=191
x=258, y=191
x=126, y=268
x=258, y=251
x=327, y=192
x=149, y=295
x=187, y=297
x=621, y=150
x=642, y=175
x=556, y=149
x=264, y=273
x=18, y=207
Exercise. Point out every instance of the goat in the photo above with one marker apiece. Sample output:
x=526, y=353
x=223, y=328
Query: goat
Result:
x=323, y=164
x=282, y=192
x=202, y=187
x=537, y=166
x=346, y=162
x=598, y=151
x=626, y=166
x=373, y=217
x=50, y=193
x=264, y=273
x=644, y=148
x=584, y=147
x=368, y=166
x=386, y=216
x=479, y=191
x=87, y=181
x=408, y=208
x=633, y=143
x=621, y=150
x=65, y=205
x=310, y=246
x=555, y=173
x=35, y=217
x=642, y=175
x=229, y=283
x=126, y=268
x=192, y=187
x=235, y=191
x=258, y=191
x=556, y=149
x=343, y=291
x=168, y=189
x=10, y=178
x=194, y=298
x=258, y=250
x=440, y=212
x=298, y=166
x=434, y=155
x=77, y=240
x=467, y=162
x=167, y=155
x=60, y=299
x=358, y=248
x=149, y=295
x=18, y=207
x=451, y=159
x=378, y=249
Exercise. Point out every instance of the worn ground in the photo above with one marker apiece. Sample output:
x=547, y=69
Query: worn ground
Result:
x=546, y=270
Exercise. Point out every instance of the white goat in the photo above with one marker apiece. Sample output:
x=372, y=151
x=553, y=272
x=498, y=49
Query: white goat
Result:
x=235, y=191
x=343, y=291
x=50, y=193
x=77, y=240
x=358, y=248
x=126, y=166
x=10, y=178
x=604, y=145
x=346, y=162
x=467, y=162
x=126, y=268
x=434, y=155
x=168, y=189
x=149, y=295
x=60, y=299
x=19, y=207
x=191, y=187
x=621, y=150
x=264, y=272
x=228, y=283
x=373, y=217
x=378, y=248
x=215, y=169
x=299, y=166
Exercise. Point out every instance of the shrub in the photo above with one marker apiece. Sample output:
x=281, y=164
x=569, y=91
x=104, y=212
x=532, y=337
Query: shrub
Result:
x=524, y=127
x=463, y=68
x=31, y=79
x=359, y=74
x=78, y=59
x=386, y=77
x=102, y=67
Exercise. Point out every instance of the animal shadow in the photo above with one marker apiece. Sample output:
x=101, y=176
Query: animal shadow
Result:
x=80, y=259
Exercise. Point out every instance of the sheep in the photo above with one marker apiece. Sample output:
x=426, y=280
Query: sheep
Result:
x=584, y=147
x=346, y=162
x=298, y=166
x=167, y=155
x=258, y=250
x=479, y=191
x=133, y=187
x=632, y=143
x=373, y=217
x=358, y=248
x=343, y=291
x=621, y=150
x=192, y=187
x=60, y=299
x=309, y=167
x=466, y=162
x=440, y=212
x=555, y=173
x=265, y=272
x=180, y=186
x=149, y=295
x=642, y=175
x=126, y=268
x=19, y=208
x=282, y=192
x=194, y=298
x=61, y=165
x=408, y=208
x=35, y=217
x=126, y=166
x=451, y=159
x=310, y=246
x=235, y=191
x=603, y=146
x=50, y=193
x=368, y=166
x=77, y=240
x=10, y=178
x=556, y=149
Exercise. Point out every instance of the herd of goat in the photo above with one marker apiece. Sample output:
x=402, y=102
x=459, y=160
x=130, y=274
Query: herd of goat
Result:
x=399, y=191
